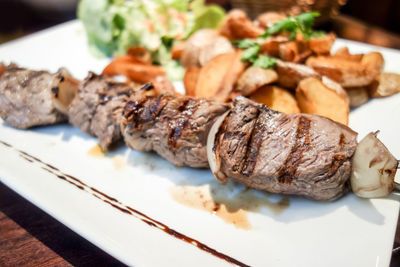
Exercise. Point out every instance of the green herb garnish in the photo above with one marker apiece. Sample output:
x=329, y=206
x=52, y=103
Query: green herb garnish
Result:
x=293, y=25
x=265, y=62
x=250, y=54
x=244, y=43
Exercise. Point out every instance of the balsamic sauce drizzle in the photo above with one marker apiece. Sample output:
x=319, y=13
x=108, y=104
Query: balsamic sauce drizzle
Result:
x=122, y=207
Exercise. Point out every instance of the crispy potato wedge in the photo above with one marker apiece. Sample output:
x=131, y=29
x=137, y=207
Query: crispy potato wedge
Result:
x=290, y=74
x=314, y=97
x=347, y=73
x=276, y=98
x=373, y=61
x=217, y=77
x=386, y=84
x=134, y=71
x=272, y=44
x=177, y=49
x=253, y=78
x=267, y=19
x=337, y=88
x=322, y=45
x=190, y=80
x=139, y=54
x=357, y=96
x=288, y=51
x=220, y=45
x=202, y=46
x=238, y=26
x=345, y=54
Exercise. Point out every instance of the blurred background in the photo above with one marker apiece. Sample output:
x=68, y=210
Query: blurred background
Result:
x=369, y=21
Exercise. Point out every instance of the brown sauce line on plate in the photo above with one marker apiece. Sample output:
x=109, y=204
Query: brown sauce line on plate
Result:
x=125, y=209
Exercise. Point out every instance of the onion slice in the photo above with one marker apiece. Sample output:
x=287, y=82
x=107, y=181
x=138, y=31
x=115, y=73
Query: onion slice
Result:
x=374, y=168
x=213, y=160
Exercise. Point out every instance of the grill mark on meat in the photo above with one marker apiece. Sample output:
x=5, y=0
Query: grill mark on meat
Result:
x=288, y=169
x=186, y=110
x=137, y=114
x=337, y=161
x=147, y=87
x=256, y=140
x=252, y=147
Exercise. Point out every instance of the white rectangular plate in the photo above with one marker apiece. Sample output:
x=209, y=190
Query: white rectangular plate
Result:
x=139, y=189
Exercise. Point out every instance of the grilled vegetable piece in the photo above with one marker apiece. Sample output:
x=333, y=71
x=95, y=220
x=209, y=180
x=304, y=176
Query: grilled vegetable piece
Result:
x=65, y=91
x=175, y=127
x=374, y=168
x=253, y=78
x=298, y=154
x=27, y=97
x=97, y=108
x=315, y=97
x=276, y=98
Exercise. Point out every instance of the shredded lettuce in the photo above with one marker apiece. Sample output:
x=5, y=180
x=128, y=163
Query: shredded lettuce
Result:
x=112, y=26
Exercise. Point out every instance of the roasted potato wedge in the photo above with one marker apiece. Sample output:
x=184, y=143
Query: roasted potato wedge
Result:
x=290, y=74
x=345, y=54
x=218, y=76
x=373, y=61
x=347, y=73
x=253, y=78
x=190, y=80
x=202, y=46
x=238, y=26
x=357, y=96
x=272, y=44
x=139, y=54
x=386, y=84
x=267, y=19
x=322, y=45
x=177, y=50
x=314, y=97
x=276, y=98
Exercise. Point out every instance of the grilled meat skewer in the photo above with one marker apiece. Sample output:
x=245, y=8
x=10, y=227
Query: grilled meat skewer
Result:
x=298, y=154
x=175, y=127
x=29, y=98
x=97, y=108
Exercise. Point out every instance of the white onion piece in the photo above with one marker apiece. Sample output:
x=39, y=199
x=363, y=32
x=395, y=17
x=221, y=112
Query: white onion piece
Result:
x=213, y=160
x=374, y=168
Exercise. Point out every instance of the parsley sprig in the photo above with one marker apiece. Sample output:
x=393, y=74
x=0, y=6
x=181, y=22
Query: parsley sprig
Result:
x=250, y=54
x=292, y=25
x=301, y=23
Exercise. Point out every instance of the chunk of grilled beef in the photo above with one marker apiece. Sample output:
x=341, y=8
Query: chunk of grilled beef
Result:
x=98, y=107
x=26, y=97
x=298, y=154
x=175, y=127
